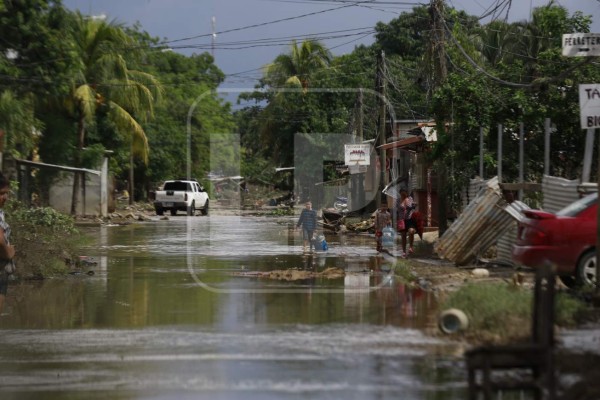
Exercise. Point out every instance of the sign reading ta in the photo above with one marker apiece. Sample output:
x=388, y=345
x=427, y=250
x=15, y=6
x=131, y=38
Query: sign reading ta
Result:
x=589, y=105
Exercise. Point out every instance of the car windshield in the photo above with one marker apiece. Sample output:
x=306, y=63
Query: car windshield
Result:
x=177, y=186
x=575, y=208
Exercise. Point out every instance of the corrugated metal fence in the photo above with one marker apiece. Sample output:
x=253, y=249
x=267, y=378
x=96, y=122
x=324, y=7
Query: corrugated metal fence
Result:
x=477, y=228
x=558, y=192
x=488, y=220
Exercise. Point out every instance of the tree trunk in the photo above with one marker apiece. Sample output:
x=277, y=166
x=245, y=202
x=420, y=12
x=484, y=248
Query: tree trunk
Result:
x=131, y=175
x=81, y=136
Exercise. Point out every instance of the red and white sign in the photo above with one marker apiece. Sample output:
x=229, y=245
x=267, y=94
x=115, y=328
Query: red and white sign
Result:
x=357, y=154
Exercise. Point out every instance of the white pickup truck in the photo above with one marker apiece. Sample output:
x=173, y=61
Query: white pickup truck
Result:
x=184, y=195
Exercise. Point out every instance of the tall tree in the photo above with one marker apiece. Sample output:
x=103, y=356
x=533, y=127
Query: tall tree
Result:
x=192, y=112
x=105, y=83
x=35, y=62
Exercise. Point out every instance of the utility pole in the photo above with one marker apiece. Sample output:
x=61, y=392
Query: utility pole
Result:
x=359, y=131
x=437, y=53
x=382, y=139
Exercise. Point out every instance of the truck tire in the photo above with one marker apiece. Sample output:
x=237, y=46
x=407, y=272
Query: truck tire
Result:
x=191, y=210
x=159, y=211
x=173, y=212
x=204, y=209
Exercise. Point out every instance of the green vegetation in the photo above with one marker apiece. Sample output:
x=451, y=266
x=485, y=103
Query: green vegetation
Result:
x=403, y=270
x=71, y=83
x=46, y=241
x=499, y=312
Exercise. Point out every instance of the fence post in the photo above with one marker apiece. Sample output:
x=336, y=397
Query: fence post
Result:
x=547, y=131
x=521, y=158
x=587, y=156
x=481, y=152
x=499, y=153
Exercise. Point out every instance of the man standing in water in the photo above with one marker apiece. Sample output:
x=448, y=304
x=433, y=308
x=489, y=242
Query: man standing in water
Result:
x=7, y=251
x=308, y=220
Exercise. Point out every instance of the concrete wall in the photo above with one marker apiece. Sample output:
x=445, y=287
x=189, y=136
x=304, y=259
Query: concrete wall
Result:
x=60, y=195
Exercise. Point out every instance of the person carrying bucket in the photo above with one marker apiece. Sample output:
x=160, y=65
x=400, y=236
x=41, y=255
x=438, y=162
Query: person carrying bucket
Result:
x=308, y=220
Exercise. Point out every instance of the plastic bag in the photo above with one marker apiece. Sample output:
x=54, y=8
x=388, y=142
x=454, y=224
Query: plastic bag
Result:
x=401, y=225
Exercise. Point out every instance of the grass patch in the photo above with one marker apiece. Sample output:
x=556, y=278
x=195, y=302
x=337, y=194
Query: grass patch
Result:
x=403, y=271
x=499, y=312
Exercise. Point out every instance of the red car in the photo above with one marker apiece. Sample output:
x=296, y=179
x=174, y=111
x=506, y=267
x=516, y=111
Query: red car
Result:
x=566, y=239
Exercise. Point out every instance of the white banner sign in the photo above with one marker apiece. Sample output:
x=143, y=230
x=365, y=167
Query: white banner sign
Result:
x=589, y=106
x=357, y=154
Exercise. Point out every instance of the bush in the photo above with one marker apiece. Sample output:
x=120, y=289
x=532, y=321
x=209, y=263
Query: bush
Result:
x=45, y=240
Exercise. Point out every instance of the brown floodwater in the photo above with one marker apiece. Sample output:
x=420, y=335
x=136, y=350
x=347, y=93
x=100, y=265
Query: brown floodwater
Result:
x=166, y=315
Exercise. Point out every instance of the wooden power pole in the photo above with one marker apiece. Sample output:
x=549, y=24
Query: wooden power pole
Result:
x=382, y=139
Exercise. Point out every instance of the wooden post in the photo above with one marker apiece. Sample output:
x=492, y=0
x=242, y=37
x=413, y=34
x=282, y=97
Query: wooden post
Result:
x=481, y=152
x=360, y=177
x=499, y=153
x=382, y=155
x=547, y=130
x=587, y=156
x=521, y=158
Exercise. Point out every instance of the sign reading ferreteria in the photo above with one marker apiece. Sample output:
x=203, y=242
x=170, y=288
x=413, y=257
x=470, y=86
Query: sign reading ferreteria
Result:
x=357, y=154
x=589, y=106
x=581, y=44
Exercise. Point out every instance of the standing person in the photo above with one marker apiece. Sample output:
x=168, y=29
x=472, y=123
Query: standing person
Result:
x=405, y=209
x=383, y=218
x=308, y=220
x=7, y=251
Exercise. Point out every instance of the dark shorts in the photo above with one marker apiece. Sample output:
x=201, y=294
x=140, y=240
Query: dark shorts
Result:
x=307, y=234
x=410, y=223
x=3, y=282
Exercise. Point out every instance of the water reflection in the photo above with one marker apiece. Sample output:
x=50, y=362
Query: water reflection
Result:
x=145, y=326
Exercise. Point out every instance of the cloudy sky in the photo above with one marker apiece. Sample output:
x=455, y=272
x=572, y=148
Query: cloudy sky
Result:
x=251, y=33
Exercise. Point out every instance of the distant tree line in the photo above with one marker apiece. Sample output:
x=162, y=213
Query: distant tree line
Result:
x=73, y=86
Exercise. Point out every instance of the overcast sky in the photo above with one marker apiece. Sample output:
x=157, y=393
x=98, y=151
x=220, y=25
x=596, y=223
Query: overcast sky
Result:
x=241, y=49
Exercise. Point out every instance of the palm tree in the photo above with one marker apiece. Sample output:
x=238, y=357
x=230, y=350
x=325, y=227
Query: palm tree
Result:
x=105, y=81
x=296, y=67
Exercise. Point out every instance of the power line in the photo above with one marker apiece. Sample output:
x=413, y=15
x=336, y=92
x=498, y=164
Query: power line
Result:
x=265, y=23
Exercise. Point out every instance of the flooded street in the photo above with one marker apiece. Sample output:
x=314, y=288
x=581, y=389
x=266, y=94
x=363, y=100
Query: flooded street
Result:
x=169, y=313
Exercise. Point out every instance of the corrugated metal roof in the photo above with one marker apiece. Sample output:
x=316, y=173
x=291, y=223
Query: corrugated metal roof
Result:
x=478, y=227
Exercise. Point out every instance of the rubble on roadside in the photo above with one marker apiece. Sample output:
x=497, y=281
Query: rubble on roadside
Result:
x=294, y=274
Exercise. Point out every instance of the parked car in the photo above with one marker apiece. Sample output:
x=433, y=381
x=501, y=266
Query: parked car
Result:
x=567, y=239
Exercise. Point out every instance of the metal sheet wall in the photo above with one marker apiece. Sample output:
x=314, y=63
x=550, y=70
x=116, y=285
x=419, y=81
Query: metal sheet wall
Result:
x=487, y=219
x=505, y=241
x=477, y=228
x=558, y=192
x=470, y=193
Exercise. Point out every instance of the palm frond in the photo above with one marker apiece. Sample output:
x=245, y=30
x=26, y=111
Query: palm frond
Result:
x=129, y=127
x=85, y=101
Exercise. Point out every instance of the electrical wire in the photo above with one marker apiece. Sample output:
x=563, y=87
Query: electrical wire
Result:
x=264, y=23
